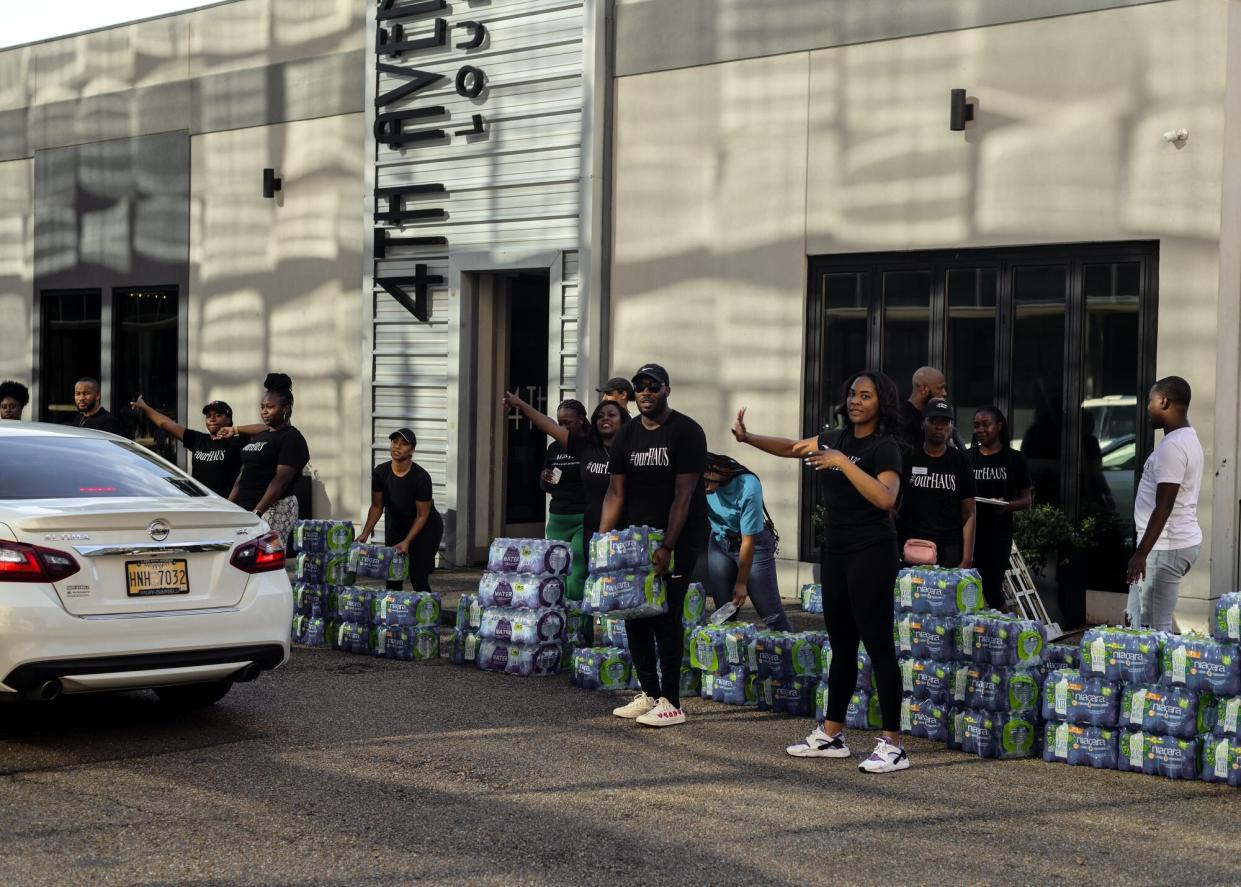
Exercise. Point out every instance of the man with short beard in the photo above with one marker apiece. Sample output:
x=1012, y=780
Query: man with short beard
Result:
x=91, y=414
x=657, y=462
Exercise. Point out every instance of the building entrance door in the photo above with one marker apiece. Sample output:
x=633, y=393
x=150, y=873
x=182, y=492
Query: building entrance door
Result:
x=512, y=355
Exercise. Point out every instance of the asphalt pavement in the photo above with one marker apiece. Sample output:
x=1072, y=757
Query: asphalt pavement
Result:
x=339, y=769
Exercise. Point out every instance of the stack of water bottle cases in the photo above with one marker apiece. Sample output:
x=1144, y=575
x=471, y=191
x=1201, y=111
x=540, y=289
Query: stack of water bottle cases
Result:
x=332, y=610
x=621, y=586
x=1154, y=703
x=518, y=622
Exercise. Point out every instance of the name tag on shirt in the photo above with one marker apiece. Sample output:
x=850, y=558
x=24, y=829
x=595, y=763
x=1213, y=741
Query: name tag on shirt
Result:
x=918, y=469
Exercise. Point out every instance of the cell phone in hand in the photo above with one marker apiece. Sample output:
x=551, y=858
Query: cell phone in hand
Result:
x=556, y=473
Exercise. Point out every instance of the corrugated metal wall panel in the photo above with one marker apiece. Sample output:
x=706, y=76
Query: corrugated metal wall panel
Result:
x=515, y=186
x=566, y=338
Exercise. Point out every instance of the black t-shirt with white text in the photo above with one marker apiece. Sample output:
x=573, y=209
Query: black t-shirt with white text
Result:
x=595, y=477
x=260, y=458
x=851, y=522
x=650, y=461
x=401, y=496
x=933, y=487
x=1002, y=475
x=214, y=463
x=567, y=494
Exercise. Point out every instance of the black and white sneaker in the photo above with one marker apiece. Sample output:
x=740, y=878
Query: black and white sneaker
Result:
x=886, y=758
x=819, y=745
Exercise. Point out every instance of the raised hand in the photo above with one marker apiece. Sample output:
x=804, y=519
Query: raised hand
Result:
x=739, y=429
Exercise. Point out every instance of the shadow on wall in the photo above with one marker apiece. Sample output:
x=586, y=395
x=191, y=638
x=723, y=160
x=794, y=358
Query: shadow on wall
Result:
x=277, y=287
x=713, y=222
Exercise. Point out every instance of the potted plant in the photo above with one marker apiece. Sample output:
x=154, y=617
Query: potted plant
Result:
x=1049, y=542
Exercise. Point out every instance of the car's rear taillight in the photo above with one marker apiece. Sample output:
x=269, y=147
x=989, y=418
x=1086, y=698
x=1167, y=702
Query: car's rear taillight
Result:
x=33, y=563
x=264, y=554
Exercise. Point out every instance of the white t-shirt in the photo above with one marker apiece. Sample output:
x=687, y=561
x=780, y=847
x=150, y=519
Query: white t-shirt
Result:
x=1177, y=460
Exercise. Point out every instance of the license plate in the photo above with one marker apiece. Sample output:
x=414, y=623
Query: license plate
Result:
x=149, y=578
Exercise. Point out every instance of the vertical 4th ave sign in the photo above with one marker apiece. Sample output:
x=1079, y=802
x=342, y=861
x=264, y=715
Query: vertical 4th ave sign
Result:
x=402, y=32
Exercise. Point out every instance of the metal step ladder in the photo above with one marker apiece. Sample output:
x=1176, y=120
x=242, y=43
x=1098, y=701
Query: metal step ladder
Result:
x=1022, y=597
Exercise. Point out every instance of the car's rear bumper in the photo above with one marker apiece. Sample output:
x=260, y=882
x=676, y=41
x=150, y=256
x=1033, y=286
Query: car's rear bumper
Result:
x=40, y=642
x=101, y=672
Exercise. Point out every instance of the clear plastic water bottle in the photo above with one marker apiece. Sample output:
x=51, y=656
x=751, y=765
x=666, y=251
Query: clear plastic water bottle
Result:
x=1133, y=608
x=723, y=614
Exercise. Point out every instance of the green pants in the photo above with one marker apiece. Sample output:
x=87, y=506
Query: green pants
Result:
x=568, y=528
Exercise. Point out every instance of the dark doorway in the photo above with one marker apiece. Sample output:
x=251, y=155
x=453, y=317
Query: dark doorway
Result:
x=69, y=348
x=525, y=445
x=145, y=361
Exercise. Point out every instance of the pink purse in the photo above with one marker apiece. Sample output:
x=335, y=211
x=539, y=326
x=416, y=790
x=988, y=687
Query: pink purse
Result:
x=919, y=551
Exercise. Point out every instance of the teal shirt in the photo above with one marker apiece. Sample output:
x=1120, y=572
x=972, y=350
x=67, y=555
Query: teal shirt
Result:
x=737, y=507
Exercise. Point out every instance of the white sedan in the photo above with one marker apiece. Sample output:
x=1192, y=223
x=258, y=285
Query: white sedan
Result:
x=120, y=572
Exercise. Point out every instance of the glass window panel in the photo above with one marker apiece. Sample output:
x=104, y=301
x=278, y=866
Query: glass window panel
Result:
x=906, y=324
x=70, y=341
x=844, y=339
x=144, y=348
x=1109, y=419
x=970, y=368
x=1038, y=373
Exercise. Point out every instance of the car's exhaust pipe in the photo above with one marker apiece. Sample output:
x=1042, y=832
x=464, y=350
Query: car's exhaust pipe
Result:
x=249, y=673
x=44, y=692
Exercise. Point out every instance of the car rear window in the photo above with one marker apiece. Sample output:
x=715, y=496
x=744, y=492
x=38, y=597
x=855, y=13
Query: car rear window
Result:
x=40, y=467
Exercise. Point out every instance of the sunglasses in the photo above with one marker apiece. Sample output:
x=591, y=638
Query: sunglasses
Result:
x=648, y=387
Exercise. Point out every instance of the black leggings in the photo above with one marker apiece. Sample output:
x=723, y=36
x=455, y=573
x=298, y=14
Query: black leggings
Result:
x=421, y=555
x=991, y=557
x=665, y=634
x=857, y=605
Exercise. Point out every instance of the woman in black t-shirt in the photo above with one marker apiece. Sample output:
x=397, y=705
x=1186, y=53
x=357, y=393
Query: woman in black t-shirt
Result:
x=1002, y=474
x=859, y=469
x=562, y=480
x=588, y=443
x=273, y=459
x=937, y=504
x=401, y=492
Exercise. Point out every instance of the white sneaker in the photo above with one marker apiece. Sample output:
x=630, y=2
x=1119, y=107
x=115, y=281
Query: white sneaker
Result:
x=664, y=714
x=886, y=758
x=819, y=745
x=640, y=705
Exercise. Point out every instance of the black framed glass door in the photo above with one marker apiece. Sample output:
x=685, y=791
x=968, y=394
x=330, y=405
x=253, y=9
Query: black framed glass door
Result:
x=70, y=339
x=145, y=360
x=1060, y=337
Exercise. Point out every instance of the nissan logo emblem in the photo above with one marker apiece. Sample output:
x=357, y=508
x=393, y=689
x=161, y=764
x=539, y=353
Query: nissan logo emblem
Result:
x=159, y=530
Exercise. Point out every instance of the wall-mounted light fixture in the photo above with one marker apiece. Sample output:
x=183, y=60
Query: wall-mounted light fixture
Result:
x=960, y=111
x=271, y=184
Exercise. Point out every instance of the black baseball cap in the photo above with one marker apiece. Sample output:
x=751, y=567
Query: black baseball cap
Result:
x=653, y=371
x=617, y=383
x=405, y=434
x=218, y=406
x=938, y=408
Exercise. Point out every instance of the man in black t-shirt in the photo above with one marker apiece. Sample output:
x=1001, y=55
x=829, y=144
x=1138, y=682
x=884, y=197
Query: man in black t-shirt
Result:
x=213, y=463
x=91, y=414
x=938, y=491
x=657, y=462
x=401, y=492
